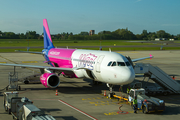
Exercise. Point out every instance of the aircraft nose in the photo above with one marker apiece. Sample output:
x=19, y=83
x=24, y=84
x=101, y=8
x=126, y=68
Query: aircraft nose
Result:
x=128, y=76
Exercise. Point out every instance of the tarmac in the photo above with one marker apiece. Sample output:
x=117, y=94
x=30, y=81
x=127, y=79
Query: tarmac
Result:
x=79, y=99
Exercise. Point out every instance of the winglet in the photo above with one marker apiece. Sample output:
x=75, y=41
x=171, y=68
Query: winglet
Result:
x=150, y=56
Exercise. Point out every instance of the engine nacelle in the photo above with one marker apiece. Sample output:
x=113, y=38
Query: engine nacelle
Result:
x=50, y=80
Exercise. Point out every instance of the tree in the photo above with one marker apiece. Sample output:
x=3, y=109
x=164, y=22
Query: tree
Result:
x=178, y=36
x=144, y=33
x=22, y=36
x=123, y=34
x=32, y=35
x=83, y=33
x=161, y=34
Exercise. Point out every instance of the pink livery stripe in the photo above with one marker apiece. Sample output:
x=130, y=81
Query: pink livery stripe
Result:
x=61, y=56
x=45, y=24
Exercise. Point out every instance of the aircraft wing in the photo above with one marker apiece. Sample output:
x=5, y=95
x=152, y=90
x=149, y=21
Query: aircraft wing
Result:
x=138, y=59
x=40, y=67
x=29, y=52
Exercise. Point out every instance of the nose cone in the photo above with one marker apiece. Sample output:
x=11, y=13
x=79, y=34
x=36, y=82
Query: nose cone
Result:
x=127, y=76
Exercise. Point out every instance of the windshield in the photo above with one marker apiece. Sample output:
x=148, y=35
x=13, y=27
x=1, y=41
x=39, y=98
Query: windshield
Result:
x=128, y=64
x=121, y=63
x=118, y=63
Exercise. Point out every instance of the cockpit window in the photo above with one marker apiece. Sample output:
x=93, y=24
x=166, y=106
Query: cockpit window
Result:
x=128, y=64
x=121, y=63
x=114, y=64
x=109, y=64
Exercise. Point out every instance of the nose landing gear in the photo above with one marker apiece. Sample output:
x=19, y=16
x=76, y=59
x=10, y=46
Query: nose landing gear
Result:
x=111, y=93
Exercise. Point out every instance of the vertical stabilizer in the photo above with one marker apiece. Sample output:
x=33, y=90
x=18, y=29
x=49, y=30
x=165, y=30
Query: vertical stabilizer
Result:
x=47, y=36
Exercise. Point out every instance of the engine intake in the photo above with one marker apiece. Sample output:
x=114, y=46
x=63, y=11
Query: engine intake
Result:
x=50, y=80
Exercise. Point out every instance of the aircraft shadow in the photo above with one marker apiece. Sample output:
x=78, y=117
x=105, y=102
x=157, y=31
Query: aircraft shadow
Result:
x=49, y=110
x=65, y=117
x=171, y=110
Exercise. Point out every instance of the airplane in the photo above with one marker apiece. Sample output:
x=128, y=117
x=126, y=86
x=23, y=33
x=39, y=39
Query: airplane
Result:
x=102, y=66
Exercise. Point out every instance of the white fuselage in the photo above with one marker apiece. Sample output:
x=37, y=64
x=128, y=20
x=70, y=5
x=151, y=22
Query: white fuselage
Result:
x=104, y=66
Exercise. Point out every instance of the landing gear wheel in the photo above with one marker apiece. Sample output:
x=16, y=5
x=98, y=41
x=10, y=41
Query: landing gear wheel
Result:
x=7, y=87
x=110, y=95
x=110, y=90
x=9, y=111
x=26, y=82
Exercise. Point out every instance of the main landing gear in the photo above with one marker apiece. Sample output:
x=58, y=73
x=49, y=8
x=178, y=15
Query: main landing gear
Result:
x=111, y=93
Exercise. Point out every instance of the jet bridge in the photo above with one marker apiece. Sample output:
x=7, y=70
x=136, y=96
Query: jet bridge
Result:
x=158, y=76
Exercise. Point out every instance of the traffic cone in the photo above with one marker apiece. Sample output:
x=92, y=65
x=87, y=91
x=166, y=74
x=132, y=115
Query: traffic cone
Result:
x=104, y=92
x=56, y=92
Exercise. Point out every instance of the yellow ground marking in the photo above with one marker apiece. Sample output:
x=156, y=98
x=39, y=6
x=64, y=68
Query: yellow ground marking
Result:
x=29, y=62
x=112, y=113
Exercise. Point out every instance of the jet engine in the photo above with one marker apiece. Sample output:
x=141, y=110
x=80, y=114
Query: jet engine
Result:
x=50, y=80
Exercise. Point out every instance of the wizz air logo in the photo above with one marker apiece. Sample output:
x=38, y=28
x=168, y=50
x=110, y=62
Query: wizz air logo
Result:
x=43, y=78
x=54, y=53
x=87, y=60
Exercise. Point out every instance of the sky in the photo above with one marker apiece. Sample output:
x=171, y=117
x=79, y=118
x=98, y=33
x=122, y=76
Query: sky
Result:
x=20, y=16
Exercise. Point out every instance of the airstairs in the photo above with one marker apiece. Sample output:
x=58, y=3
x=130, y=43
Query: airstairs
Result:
x=158, y=76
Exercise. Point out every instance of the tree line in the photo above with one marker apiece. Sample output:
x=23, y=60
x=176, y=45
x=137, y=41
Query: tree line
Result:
x=119, y=34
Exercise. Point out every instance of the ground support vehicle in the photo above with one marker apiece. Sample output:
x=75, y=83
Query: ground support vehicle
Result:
x=145, y=103
x=22, y=108
x=7, y=100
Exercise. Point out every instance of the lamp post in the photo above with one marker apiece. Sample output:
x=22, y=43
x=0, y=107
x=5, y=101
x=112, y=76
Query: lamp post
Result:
x=100, y=48
x=28, y=40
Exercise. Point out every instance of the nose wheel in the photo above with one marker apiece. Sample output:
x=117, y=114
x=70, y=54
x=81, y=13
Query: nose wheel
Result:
x=111, y=93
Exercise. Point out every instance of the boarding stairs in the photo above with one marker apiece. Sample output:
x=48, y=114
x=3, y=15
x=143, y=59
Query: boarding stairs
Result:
x=158, y=76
